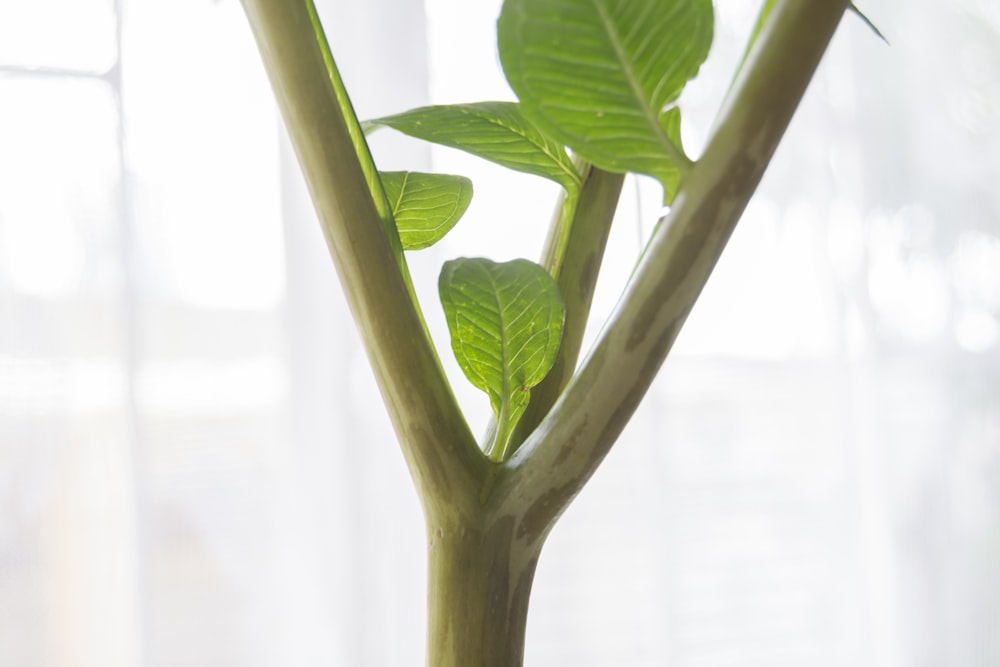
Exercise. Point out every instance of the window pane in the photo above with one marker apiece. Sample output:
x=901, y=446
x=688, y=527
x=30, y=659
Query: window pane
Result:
x=59, y=180
x=71, y=34
x=67, y=538
x=202, y=147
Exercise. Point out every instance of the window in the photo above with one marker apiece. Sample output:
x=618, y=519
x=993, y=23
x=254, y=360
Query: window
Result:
x=194, y=468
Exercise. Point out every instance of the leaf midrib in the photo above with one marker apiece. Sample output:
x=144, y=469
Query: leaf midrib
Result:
x=505, y=375
x=575, y=177
x=650, y=116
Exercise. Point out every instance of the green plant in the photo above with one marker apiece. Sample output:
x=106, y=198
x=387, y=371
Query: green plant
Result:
x=599, y=77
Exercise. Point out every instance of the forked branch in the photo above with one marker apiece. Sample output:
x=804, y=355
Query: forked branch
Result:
x=439, y=447
x=563, y=452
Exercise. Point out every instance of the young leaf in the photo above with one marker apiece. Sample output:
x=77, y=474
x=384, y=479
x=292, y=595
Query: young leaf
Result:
x=506, y=323
x=598, y=75
x=425, y=206
x=496, y=131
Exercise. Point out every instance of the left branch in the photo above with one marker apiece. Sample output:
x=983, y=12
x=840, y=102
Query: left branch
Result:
x=440, y=449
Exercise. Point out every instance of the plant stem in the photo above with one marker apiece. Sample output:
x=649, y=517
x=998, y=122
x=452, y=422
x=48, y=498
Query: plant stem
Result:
x=479, y=580
x=486, y=522
x=573, y=255
x=561, y=454
x=357, y=134
x=440, y=450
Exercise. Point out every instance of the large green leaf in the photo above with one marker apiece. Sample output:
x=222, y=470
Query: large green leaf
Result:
x=599, y=75
x=425, y=206
x=496, y=131
x=506, y=323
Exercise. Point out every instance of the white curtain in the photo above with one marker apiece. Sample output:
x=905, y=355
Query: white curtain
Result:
x=195, y=468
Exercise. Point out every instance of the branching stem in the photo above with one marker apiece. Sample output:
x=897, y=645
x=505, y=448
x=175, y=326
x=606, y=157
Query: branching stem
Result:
x=486, y=521
x=562, y=453
x=439, y=447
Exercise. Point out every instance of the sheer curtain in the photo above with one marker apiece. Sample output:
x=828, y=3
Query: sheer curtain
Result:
x=194, y=465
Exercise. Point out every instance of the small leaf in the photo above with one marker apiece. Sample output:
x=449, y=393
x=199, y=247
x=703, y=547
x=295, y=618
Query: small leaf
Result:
x=425, y=206
x=495, y=131
x=598, y=75
x=506, y=324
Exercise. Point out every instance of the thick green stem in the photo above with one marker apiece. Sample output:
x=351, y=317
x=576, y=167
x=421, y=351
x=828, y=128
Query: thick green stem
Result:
x=439, y=447
x=574, y=254
x=486, y=522
x=561, y=454
x=479, y=580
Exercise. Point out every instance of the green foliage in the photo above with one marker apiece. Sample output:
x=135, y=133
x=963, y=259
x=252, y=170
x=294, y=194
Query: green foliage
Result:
x=496, y=131
x=506, y=324
x=599, y=76
x=425, y=206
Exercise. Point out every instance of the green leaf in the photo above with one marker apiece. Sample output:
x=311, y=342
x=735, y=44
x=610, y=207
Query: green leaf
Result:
x=495, y=131
x=599, y=75
x=671, y=121
x=425, y=206
x=506, y=323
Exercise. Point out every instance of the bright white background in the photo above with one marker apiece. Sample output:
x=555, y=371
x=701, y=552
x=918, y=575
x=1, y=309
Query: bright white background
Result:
x=195, y=469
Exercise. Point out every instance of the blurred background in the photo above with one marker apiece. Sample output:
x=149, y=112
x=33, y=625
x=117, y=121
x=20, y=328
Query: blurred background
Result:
x=195, y=467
